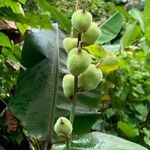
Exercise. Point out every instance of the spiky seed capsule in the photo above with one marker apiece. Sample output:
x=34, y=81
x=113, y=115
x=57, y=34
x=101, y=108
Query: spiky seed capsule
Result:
x=68, y=85
x=90, y=78
x=63, y=127
x=70, y=43
x=92, y=34
x=78, y=62
x=81, y=20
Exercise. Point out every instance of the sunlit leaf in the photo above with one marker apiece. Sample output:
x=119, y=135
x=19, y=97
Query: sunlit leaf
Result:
x=109, y=63
x=12, y=53
x=4, y=40
x=63, y=20
x=125, y=14
x=147, y=19
x=12, y=4
x=22, y=27
x=132, y=32
x=97, y=50
x=127, y=129
x=38, y=19
x=137, y=15
x=110, y=28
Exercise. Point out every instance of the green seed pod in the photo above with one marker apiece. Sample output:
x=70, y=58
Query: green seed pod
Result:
x=63, y=127
x=92, y=34
x=90, y=78
x=70, y=43
x=78, y=62
x=68, y=85
x=81, y=20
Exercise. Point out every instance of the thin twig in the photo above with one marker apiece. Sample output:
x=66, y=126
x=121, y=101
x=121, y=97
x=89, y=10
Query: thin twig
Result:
x=3, y=102
x=85, y=6
x=67, y=144
x=99, y=63
x=73, y=103
x=79, y=42
x=77, y=5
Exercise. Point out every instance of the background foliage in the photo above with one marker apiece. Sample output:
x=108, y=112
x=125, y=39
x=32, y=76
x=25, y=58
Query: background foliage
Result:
x=120, y=105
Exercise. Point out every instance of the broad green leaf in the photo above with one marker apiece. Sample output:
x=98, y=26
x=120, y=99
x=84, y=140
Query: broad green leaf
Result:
x=64, y=22
x=125, y=14
x=132, y=32
x=4, y=40
x=109, y=63
x=36, y=94
x=82, y=123
x=99, y=141
x=90, y=98
x=37, y=78
x=127, y=129
x=37, y=51
x=110, y=28
x=38, y=20
x=137, y=15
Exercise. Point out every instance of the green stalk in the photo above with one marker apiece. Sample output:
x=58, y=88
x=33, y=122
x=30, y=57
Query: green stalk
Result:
x=73, y=106
x=67, y=145
x=74, y=99
x=73, y=102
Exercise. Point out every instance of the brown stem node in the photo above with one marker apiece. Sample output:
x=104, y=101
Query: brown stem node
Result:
x=99, y=63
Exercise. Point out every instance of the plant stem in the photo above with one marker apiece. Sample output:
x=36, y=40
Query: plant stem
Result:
x=67, y=145
x=99, y=63
x=79, y=42
x=4, y=102
x=77, y=5
x=73, y=102
x=74, y=99
x=73, y=106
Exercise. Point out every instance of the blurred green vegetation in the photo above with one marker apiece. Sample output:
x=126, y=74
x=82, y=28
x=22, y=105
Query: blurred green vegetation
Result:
x=123, y=98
